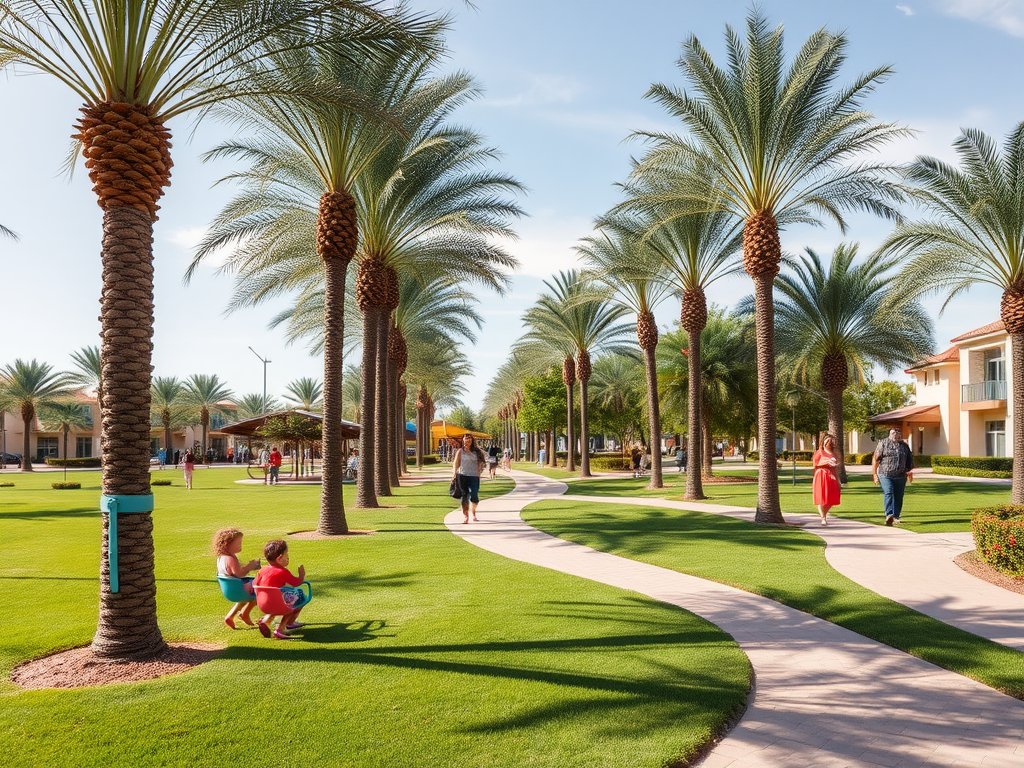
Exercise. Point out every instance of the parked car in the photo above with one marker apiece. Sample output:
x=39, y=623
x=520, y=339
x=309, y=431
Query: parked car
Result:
x=10, y=458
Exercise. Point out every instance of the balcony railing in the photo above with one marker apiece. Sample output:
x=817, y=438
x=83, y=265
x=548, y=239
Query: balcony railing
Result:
x=983, y=390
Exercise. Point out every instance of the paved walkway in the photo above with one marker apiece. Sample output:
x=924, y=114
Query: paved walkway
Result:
x=824, y=696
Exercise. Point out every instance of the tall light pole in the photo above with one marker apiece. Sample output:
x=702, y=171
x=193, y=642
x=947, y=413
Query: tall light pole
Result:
x=792, y=400
x=260, y=357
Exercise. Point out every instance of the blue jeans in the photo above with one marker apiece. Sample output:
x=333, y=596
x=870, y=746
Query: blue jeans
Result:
x=470, y=489
x=892, y=493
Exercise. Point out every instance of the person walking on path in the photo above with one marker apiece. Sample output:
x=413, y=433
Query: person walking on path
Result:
x=190, y=467
x=681, y=459
x=825, y=486
x=274, y=461
x=467, y=466
x=892, y=467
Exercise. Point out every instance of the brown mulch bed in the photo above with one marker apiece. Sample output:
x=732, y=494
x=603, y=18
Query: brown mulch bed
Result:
x=315, y=536
x=975, y=566
x=726, y=480
x=79, y=667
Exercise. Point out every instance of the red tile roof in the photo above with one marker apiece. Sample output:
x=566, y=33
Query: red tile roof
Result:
x=985, y=329
x=951, y=355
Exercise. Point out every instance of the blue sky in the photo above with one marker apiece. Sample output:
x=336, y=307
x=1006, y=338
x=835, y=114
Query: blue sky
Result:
x=563, y=88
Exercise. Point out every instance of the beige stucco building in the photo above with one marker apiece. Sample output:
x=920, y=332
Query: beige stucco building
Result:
x=962, y=407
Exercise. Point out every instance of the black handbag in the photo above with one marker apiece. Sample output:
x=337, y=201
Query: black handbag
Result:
x=455, y=489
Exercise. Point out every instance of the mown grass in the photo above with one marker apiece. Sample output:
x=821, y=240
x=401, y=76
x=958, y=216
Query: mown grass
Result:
x=784, y=564
x=931, y=505
x=420, y=649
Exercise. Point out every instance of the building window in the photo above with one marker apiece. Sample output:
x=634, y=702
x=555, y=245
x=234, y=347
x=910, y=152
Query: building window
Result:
x=926, y=378
x=995, y=438
x=995, y=365
x=46, y=446
x=83, y=447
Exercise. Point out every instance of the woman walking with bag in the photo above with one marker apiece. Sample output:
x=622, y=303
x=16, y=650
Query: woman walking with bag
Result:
x=826, y=478
x=467, y=467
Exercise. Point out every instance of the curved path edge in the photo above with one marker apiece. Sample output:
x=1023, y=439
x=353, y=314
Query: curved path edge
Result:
x=825, y=696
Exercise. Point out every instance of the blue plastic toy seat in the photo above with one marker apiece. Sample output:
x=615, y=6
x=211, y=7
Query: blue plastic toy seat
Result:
x=234, y=589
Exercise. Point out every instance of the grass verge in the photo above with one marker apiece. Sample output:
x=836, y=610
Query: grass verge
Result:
x=419, y=650
x=787, y=565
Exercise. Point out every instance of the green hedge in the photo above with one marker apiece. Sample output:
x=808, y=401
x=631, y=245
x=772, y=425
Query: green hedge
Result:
x=430, y=458
x=6, y=485
x=66, y=486
x=999, y=537
x=159, y=482
x=985, y=463
x=93, y=461
x=859, y=458
x=612, y=463
x=800, y=455
x=964, y=472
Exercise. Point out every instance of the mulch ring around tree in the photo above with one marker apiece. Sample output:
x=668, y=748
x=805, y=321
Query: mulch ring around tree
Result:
x=975, y=566
x=80, y=667
x=726, y=480
x=317, y=536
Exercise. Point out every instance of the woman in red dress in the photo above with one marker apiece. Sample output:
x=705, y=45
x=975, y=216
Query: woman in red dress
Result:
x=826, y=480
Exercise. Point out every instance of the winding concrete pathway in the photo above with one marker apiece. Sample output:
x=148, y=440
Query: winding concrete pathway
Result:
x=824, y=696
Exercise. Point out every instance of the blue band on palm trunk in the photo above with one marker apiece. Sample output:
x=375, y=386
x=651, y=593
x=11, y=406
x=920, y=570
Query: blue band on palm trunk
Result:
x=114, y=506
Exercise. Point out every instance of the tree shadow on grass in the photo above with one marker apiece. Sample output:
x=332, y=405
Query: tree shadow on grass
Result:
x=362, y=581
x=48, y=514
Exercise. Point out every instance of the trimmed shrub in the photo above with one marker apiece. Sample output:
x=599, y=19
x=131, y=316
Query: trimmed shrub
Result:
x=69, y=486
x=963, y=472
x=92, y=461
x=859, y=458
x=999, y=537
x=614, y=463
x=159, y=482
x=6, y=485
x=800, y=455
x=430, y=458
x=753, y=455
x=985, y=463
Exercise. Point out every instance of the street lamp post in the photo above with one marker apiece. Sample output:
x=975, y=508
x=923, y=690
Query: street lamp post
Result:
x=793, y=399
x=262, y=360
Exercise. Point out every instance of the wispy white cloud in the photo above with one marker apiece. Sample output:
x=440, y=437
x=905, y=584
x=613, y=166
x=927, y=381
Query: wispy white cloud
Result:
x=188, y=238
x=545, y=245
x=906, y=9
x=1004, y=15
x=540, y=89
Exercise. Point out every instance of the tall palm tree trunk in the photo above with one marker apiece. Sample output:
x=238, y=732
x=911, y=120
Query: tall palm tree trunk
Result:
x=768, y=508
x=28, y=417
x=707, y=459
x=693, y=314
x=391, y=375
x=583, y=376
x=336, y=243
x=382, y=420
x=552, y=436
x=127, y=627
x=365, y=485
x=1012, y=312
x=835, y=373
x=569, y=379
x=647, y=336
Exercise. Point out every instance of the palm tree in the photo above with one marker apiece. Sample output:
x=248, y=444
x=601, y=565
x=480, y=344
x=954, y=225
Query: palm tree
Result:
x=728, y=382
x=90, y=371
x=576, y=318
x=168, y=405
x=137, y=66
x=835, y=320
x=203, y=395
x=8, y=233
x=773, y=146
x=252, y=405
x=31, y=386
x=975, y=234
x=305, y=393
x=63, y=417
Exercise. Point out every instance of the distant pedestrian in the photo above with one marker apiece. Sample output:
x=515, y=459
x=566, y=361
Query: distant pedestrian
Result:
x=681, y=459
x=635, y=455
x=892, y=467
x=190, y=467
x=825, y=486
x=274, y=462
x=492, y=460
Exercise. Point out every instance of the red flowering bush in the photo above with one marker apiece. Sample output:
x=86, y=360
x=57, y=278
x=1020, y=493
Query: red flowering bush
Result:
x=999, y=537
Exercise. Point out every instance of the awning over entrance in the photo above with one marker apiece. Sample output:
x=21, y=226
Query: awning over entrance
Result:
x=247, y=428
x=911, y=414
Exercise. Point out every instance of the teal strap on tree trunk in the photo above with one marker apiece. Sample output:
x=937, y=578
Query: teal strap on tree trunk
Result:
x=114, y=506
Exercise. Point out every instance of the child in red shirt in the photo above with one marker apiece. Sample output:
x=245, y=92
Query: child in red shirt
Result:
x=276, y=574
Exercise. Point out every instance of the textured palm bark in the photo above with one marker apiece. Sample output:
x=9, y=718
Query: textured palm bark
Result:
x=1017, y=353
x=28, y=418
x=836, y=428
x=706, y=465
x=552, y=437
x=382, y=419
x=365, y=485
x=695, y=399
x=333, y=521
x=768, y=508
x=653, y=415
x=165, y=420
x=391, y=376
x=127, y=627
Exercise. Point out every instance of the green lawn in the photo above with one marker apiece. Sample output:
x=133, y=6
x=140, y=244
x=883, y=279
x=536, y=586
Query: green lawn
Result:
x=785, y=564
x=555, y=473
x=420, y=649
x=930, y=506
